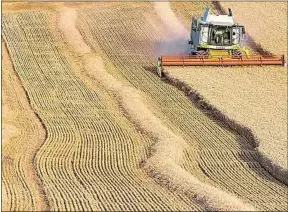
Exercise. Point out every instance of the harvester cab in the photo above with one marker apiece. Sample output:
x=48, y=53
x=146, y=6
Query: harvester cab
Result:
x=217, y=34
x=217, y=41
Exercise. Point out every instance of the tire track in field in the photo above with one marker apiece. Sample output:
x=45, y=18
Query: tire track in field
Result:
x=21, y=188
x=128, y=44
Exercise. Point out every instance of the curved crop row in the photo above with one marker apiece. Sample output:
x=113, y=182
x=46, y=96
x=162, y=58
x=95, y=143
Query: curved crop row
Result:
x=90, y=159
x=221, y=156
x=166, y=161
x=22, y=137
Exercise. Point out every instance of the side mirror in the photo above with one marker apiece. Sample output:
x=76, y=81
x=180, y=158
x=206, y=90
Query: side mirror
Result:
x=194, y=23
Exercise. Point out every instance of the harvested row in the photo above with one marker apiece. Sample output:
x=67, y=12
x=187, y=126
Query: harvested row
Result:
x=22, y=137
x=129, y=47
x=90, y=159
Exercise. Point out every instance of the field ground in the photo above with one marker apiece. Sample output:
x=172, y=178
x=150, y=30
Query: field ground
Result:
x=99, y=153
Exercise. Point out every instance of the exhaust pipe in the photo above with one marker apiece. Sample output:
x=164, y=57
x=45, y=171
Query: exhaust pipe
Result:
x=230, y=12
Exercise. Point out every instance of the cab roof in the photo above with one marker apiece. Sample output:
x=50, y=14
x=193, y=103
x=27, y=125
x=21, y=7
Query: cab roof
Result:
x=222, y=20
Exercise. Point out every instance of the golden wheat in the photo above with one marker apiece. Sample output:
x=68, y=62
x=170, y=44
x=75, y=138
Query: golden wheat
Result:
x=93, y=157
x=253, y=103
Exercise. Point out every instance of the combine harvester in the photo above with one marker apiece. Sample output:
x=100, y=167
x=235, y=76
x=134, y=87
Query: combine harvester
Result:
x=216, y=41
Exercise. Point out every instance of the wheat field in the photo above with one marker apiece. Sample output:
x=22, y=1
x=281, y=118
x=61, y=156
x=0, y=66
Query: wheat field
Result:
x=105, y=132
x=141, y=76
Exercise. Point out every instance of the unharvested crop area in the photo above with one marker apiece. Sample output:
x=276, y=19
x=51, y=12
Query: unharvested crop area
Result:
x=255, y=97
x=116, y=137
x=266, y=24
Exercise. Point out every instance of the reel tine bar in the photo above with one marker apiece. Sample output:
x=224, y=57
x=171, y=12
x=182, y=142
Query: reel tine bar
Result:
x=221, y=60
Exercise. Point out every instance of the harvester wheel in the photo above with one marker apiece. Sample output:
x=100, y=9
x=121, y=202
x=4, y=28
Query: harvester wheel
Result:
x=237, y=53
x=159, y=71
x=201, y=52
x=159, y=67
